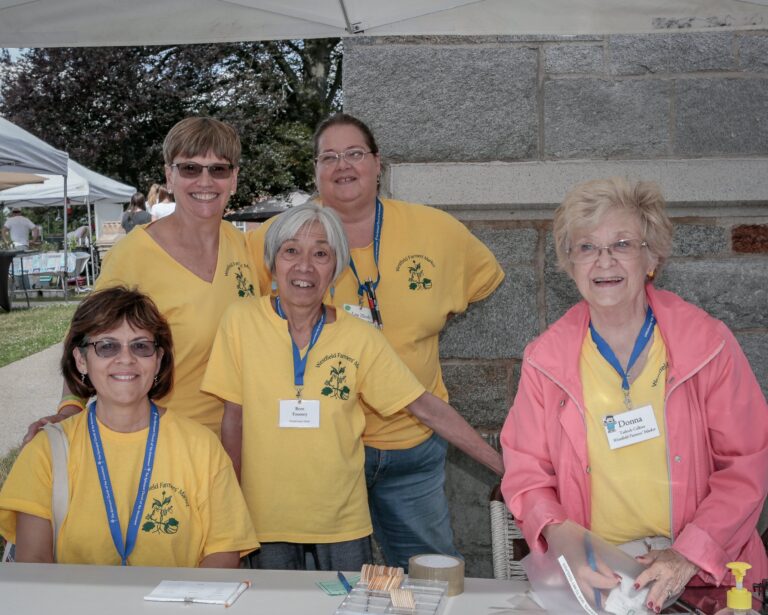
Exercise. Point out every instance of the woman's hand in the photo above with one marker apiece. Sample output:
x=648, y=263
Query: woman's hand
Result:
x=592, y=574
x=668, y=571
x=32, y=430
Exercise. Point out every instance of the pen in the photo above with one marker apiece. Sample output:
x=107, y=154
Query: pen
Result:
x=373, y=304
x=593, y=565
x=344, y=581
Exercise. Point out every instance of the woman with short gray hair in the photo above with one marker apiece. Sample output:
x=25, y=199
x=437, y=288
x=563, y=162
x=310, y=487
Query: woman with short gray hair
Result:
x=295, y=374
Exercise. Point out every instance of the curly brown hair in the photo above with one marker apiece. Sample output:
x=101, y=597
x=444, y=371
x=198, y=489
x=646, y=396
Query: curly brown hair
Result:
x=105, y=310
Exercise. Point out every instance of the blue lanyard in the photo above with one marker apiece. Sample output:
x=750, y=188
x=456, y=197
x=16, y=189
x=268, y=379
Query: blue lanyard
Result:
x=299, y=362
x=106, y=484
x=640, y=343
x=377, y=225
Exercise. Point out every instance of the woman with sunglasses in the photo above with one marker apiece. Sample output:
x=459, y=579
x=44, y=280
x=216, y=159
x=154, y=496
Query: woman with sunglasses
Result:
x=168, y=478
x=191, y=263
x=637, y=414
x=416, y=266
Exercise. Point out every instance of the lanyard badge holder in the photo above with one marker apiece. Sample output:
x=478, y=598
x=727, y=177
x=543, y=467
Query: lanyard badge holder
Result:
x=300, y=413
x=368, y=287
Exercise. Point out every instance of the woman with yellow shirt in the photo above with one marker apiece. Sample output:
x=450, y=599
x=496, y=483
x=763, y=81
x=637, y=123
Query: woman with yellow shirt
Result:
x=637, y=414
x=190, y=262
x=294, y=415
x=166, y=478
x=418, y=265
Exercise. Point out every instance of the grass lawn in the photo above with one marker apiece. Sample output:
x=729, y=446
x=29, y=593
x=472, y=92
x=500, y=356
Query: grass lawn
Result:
x=25, y=332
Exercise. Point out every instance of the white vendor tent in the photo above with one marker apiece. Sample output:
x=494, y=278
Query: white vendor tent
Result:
x=23, y=152
x=67, y=23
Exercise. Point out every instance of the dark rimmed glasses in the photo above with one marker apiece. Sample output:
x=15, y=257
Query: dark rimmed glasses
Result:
x=107, y=349
x=191, y=170
x=622, y=250
x=352, y=156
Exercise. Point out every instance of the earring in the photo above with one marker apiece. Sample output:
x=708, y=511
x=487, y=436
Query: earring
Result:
x=274, y=285
x=651, y=274
x=155, y=378
x=332, y=291
x=82, y=377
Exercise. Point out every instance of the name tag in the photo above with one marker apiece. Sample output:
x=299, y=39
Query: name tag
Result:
x=300, y=413
x=363, y=313
x=630, y=427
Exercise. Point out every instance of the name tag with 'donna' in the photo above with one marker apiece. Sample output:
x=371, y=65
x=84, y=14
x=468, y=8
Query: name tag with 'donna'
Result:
x=300, y=413
x=630, y=427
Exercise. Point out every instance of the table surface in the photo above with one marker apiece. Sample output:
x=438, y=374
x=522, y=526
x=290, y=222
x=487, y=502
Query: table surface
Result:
x=86, y=590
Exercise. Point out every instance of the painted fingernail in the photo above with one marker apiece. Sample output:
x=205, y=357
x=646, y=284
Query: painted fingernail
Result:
x=650, y=605
x=636, y=585
x=657, y=609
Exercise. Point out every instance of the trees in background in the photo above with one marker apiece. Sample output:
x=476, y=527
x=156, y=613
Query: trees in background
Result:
x=110, y=107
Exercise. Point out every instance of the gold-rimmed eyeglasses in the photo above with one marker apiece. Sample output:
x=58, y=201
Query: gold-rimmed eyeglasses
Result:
x=352, y=156
x=622, y=250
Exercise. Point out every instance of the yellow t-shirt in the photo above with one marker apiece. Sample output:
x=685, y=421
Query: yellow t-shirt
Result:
x=305, y=485
x=192, y=307
x=630, y=485
x=431, y=266
x=194, y=506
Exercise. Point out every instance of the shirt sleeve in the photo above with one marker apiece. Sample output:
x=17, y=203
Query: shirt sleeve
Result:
x=225, y=513
x=28, y=488
x=223, y=374
x=386, y=383
x=482, y=272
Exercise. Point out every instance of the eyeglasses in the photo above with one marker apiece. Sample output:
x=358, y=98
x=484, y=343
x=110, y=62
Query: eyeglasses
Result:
x=622, y=250
x=191, y=170
x=106, y=349
x=352, y=156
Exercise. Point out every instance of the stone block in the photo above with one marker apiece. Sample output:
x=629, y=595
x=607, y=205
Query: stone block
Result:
x=699, y=240
x=755, y=346
x=735, y=290
x=428, y=103
x=500, y=326
x=480, y=390
x=750, y=238
x=560, y=291
x=575, y=58
x=509, y=246
x=631, y=54
x=468, y=487
x=721, y=117
x=753, y=52
x=596, y=118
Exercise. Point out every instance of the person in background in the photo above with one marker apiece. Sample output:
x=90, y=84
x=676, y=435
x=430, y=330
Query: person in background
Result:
x=152, y=196
x=165, y=206
x=421, y=265
x=135, y=213
x=191, y=263
x=17, y=229
x=189, y=510
x=637, y=415
x=293, y=425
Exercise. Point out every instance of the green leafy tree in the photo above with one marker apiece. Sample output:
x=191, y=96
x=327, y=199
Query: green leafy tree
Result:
x=110, y=107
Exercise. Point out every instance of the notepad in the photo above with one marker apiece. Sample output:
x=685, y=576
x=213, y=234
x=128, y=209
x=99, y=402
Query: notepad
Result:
x=202, y=592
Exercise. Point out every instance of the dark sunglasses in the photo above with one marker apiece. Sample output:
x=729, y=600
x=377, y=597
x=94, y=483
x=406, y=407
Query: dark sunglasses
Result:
x=191, y=170
x=106, y=349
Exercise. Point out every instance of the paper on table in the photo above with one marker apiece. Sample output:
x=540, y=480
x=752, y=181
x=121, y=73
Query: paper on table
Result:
x=203, y=592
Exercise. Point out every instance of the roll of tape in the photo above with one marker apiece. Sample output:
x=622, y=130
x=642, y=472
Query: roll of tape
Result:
x=438, y=568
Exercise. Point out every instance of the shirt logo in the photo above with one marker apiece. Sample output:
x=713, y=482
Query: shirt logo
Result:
x=159, y=520
x=245, y=287
x=418, y=275
x=334, y=386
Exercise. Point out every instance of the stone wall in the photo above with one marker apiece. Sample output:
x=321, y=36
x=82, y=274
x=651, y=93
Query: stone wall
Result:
x=496, y=129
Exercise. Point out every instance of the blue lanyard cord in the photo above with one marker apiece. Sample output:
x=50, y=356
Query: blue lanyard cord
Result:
x=124, y=550
x=299, y=362
x=640, y=343
x=377, y=226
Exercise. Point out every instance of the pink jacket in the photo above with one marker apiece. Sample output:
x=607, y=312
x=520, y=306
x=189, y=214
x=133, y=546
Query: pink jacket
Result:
x=717, y=438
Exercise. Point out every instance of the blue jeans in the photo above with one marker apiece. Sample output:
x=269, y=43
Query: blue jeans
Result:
x=406, y=495
x=346, y=555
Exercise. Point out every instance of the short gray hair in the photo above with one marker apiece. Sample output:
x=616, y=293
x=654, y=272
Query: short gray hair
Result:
x=290, y=222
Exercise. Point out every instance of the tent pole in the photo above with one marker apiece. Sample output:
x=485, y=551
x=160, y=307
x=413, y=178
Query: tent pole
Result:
x=90, y=282
x=66, y=255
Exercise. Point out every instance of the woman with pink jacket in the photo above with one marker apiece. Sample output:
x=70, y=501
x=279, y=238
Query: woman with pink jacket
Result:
x=637, y=414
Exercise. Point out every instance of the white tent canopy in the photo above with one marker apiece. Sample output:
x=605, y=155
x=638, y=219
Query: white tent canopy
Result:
x=22, y=151
x=57, y=23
